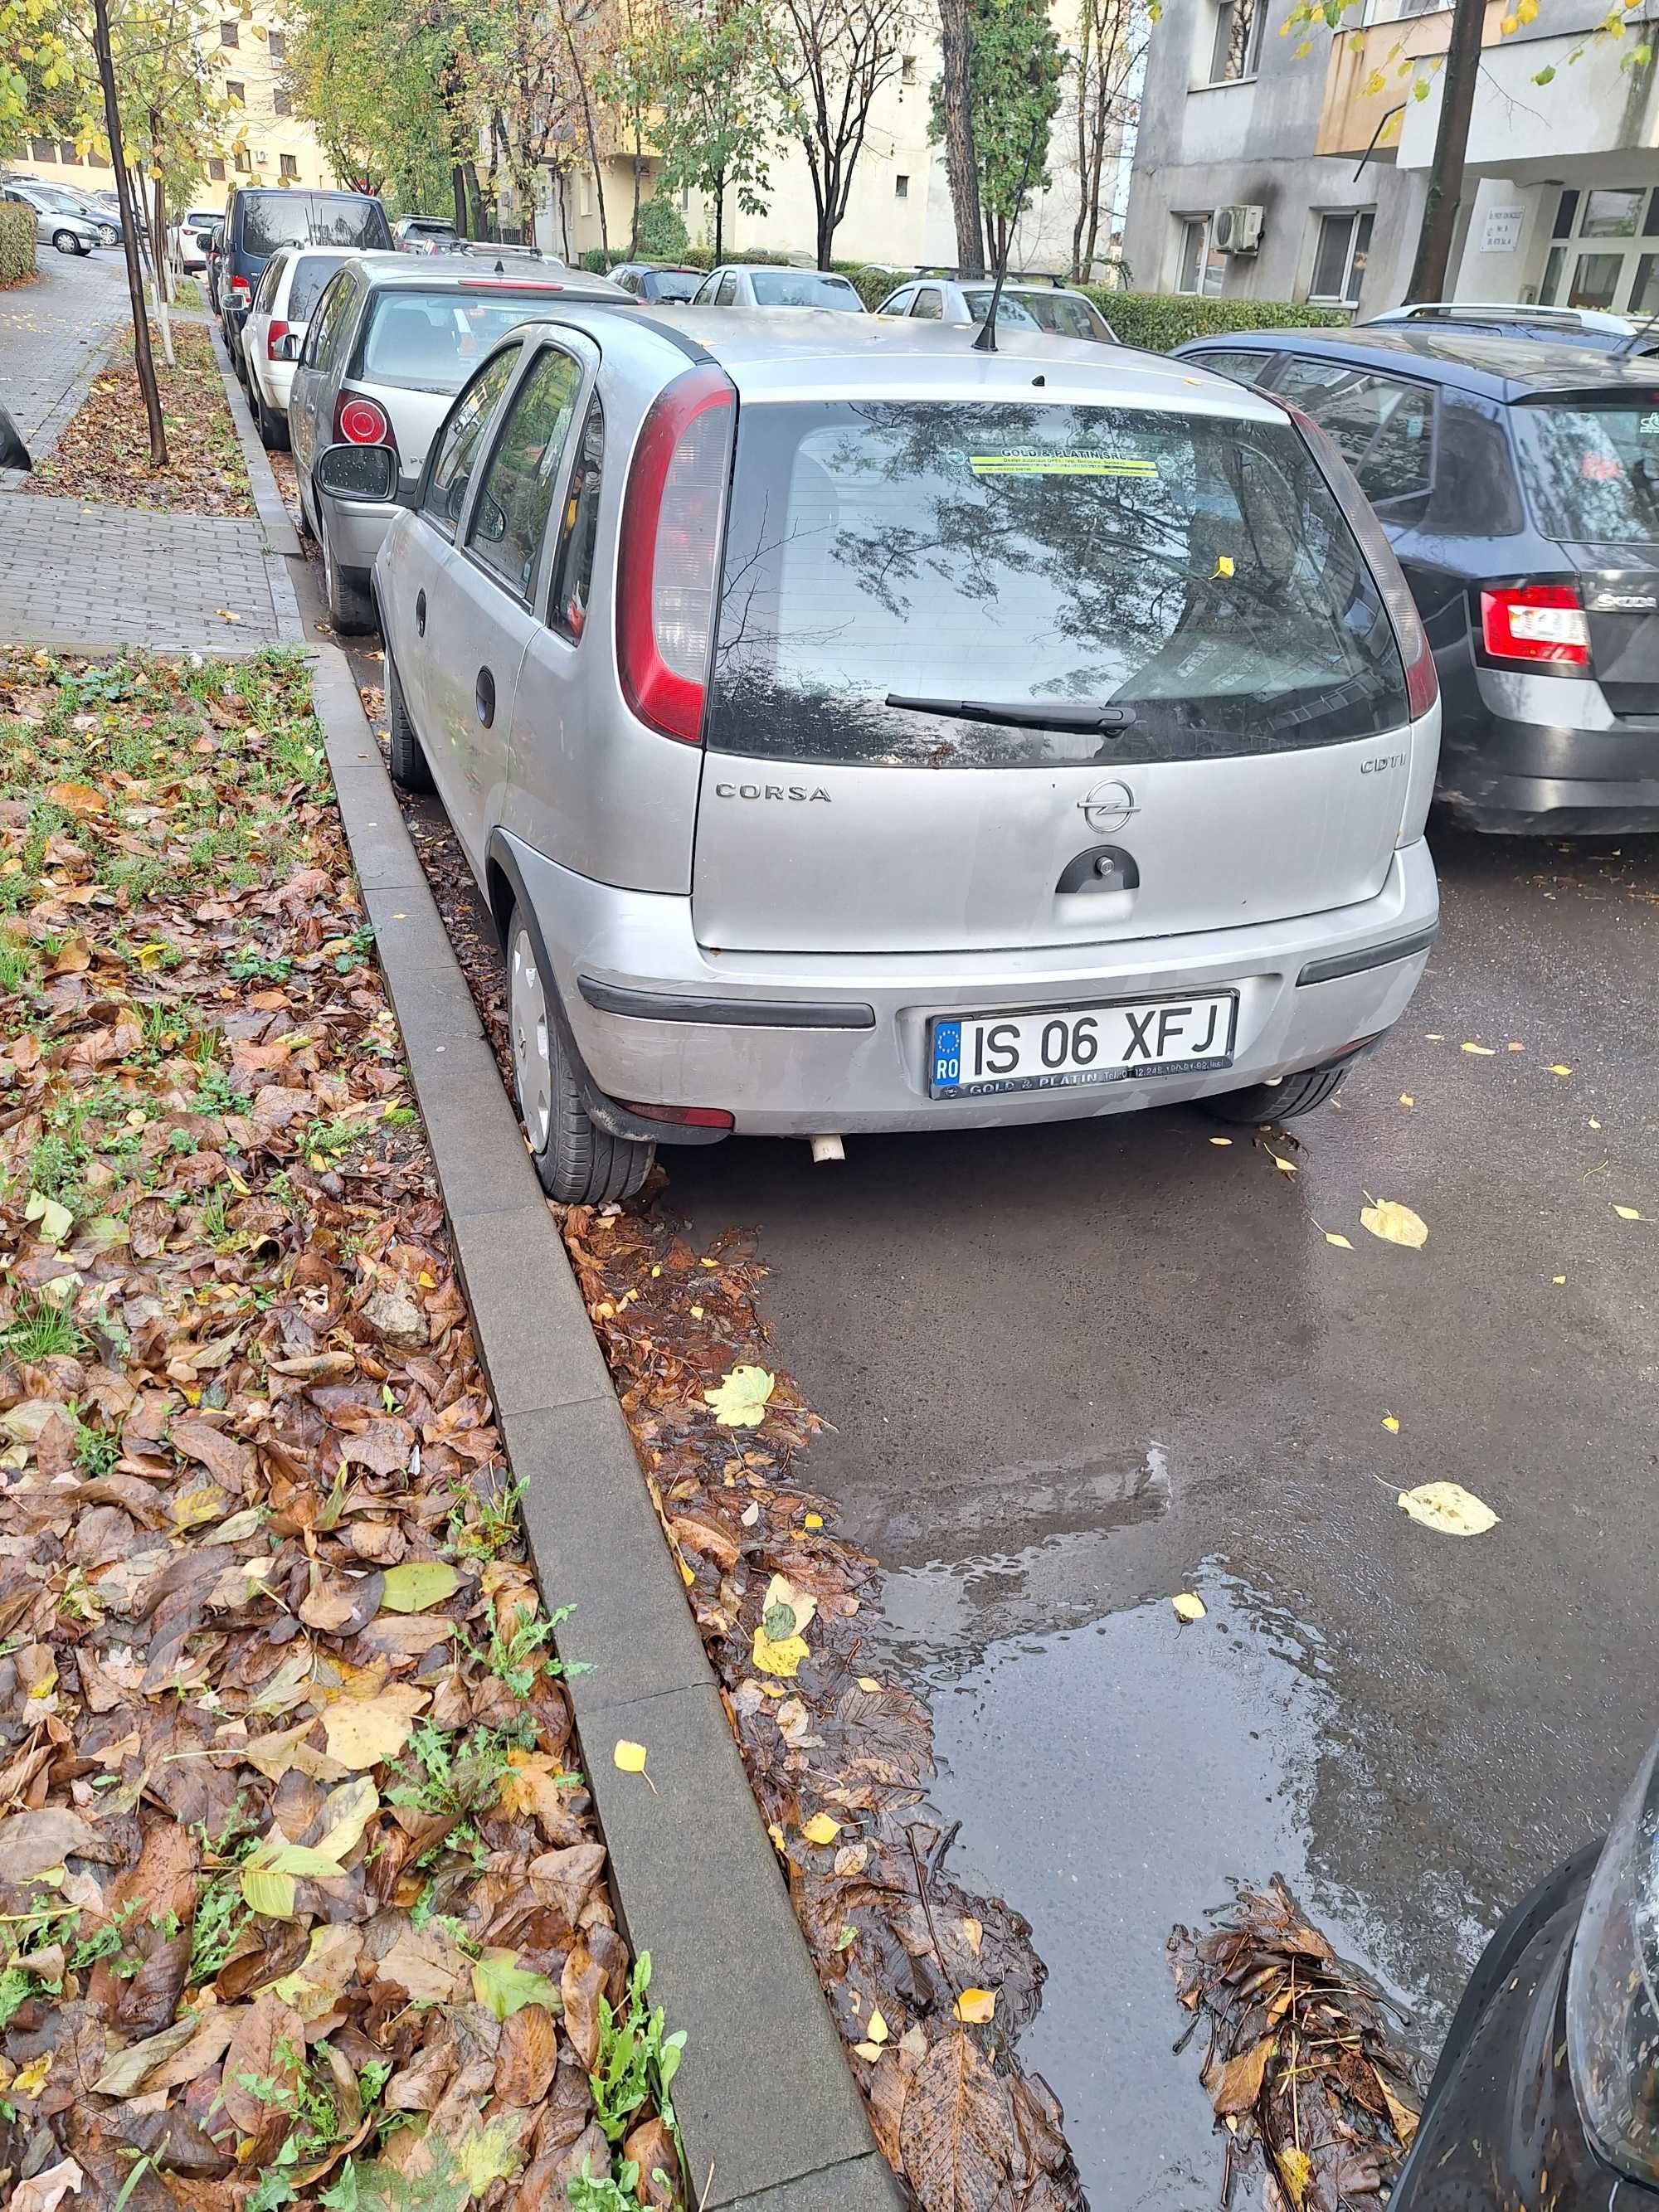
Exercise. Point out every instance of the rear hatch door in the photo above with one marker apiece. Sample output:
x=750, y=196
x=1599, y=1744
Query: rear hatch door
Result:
x=1008, y=670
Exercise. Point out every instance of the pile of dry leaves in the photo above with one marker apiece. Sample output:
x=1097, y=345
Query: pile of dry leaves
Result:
x=103, y=454
x=299, y=1902
x=929, y=1986
x=1300, y=2066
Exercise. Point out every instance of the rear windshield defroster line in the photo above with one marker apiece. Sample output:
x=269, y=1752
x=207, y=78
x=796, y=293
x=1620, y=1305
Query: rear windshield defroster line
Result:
x=1193, y=570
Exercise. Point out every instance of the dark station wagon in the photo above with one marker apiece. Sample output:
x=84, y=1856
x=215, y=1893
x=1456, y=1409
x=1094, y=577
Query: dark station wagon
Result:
x=1518, y=481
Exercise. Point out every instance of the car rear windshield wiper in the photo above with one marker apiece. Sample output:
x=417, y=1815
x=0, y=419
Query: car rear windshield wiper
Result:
x=1021, y=714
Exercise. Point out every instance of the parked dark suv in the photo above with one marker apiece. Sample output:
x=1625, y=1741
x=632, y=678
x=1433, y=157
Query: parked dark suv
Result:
x=1518, y=481
x=260, y=218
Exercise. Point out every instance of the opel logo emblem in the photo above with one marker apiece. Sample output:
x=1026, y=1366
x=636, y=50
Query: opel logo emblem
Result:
x=1108, y=806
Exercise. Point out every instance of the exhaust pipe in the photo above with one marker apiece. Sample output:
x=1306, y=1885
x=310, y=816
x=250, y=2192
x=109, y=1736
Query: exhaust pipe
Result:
x=826, y=1148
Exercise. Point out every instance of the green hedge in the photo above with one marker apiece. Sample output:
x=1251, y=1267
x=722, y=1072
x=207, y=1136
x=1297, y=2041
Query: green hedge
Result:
x=16, y=243
x=1158, y=321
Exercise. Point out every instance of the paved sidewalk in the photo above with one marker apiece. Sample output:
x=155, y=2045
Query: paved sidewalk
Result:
x=72, y=573
x=54, y=335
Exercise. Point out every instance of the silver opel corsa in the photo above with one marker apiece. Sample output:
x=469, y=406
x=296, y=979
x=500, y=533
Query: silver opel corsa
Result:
x=852, y=731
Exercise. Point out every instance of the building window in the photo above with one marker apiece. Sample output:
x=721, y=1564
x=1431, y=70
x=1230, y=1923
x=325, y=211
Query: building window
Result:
x=67, y=154
x=276, y=46
x=242, y=164
x=1339, y=264
x=280, y=102
x=290, y=166
x=908, y=70
x=216, y=169
x=230, y=34
x=1237, y=51
x=236, y=91
x=1618, y=222
x=42, y=149
x=1201, y=268
x=901, y=188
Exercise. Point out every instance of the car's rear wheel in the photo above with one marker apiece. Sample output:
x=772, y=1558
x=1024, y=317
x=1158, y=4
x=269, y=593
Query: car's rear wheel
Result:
x=1264, y=1102
x=408, y=755
x=350, y=602
x=578, y=1163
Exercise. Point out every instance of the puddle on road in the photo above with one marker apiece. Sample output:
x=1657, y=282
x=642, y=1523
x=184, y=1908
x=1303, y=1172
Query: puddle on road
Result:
x=1110, y=1778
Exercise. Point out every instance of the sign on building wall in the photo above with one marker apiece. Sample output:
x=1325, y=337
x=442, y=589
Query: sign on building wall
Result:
x=1502, y=231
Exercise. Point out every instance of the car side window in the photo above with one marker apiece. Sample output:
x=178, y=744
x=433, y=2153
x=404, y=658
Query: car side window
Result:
x=929, y=304
x=461, y=439
x=324, y=324
x=1243, y=367
x=726, y=291
x=1383, y=425
x=268, y=283
x=513, y=502
x=579, y=529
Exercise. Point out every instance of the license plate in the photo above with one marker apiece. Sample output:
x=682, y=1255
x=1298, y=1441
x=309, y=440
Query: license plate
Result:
x=977, y=1055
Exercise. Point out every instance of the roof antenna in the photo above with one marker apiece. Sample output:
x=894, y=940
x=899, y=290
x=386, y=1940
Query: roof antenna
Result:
x=985, y=340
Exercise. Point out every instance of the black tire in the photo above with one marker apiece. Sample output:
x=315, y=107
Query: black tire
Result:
x=273, y=427
x=408, y=755
x=1266, y=1103
x=578, y=1163
x=350, y=600
x=67, y=242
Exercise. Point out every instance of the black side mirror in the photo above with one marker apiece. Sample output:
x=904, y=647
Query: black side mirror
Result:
x=367, y=474
x=13, y=453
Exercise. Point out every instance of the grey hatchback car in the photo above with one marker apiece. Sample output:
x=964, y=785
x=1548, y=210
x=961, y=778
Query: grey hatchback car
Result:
x=853, y=731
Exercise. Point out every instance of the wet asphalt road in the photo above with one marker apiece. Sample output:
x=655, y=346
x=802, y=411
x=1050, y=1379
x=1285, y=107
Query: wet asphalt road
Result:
x=1069, y=1371
x=1072, y=1370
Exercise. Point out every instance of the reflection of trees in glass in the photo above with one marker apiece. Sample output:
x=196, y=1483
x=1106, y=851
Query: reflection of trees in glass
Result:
x=1592, y=474
x=1219, y=591
x=518, y=492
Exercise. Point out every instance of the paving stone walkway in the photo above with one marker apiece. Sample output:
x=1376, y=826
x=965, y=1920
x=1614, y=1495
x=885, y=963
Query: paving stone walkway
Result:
x=54, y=334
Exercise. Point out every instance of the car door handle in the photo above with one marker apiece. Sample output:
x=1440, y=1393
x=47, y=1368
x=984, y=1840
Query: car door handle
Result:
x=483, y=697
x=420, y=614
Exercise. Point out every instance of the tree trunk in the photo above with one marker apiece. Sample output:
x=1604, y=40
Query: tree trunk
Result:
x=1459, y=79
x=638, y=163
x=961, y=163
x=158, y=270
x=592, y=134
x=142, y=356
x=458, y=188
x=719, y=217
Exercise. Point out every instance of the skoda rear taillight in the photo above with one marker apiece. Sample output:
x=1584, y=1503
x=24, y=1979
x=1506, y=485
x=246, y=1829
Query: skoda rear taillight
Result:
x=360, y=422
x=1537, y=624
x=672, y=517
x=1422, y=682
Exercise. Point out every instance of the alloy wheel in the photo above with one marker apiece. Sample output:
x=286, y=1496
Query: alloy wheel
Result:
x=533, y=1058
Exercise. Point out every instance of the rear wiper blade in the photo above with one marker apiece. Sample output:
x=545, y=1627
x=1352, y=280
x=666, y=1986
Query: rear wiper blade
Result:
x=1021, y=714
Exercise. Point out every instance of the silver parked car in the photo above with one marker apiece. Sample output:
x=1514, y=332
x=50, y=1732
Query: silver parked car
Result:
x=762, y=284
x=388, y=345
x=1025, y=305
x=53, y=226
x=851, y=731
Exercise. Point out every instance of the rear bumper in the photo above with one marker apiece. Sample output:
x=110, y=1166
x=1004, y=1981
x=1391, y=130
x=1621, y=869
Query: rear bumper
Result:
x=1547, y=754
x=794, y=1045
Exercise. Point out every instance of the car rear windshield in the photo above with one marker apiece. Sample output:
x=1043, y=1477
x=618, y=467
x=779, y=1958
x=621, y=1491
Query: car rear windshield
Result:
x=273, y=219
x=1063, y=315
x=1193, y=570
x=433, y=341
x=1590, y=468
x=668, y=284
x=802, y=288
x=311, y=272
x=1009, y=310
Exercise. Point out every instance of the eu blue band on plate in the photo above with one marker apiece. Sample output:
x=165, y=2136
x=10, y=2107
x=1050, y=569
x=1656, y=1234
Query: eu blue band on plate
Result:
x=947, y=1053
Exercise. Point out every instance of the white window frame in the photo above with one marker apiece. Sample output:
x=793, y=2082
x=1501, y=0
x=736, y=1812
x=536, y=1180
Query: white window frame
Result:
x=1348, y=295
x=1200, y=290
x=1219, y=38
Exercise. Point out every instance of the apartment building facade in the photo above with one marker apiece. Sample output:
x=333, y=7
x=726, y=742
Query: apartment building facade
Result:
x=1259, y=174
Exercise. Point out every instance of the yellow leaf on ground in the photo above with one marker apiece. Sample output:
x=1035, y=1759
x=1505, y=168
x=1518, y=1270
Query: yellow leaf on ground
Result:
x=362, y=1731
x=778, y=1655
x=1481, y=1051
x=1296, y=2171
x=877, y=2029
x=976, y=2006
x=821, y=1829
x=974, y=1932
x=1391, y=1423
x=1558, y=1278
x=868, y=2051
x=630, y=1757
x=740, y=1401
x=1285, y=1167
x=1394, y=1224
x=1449, y=1507
x=1558, y=1070
x=418, y=1585
x=1187, y=1606
x=869, y=1683
x=1335, y=1236
x=1406, y=1098
x=813, y=1520
x=1221, y=1141
x=1627, y=1213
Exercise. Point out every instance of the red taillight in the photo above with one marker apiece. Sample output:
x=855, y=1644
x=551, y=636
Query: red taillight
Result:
x=1422, y=681
x=360, y=422
x=274, y=336
x=684, y=1117
x=1535, y=622
x=241, y=289
x=671, y=549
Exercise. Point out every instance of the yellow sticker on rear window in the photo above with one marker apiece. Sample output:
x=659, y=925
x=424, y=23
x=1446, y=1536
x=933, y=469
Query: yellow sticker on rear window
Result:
x=1032, y=463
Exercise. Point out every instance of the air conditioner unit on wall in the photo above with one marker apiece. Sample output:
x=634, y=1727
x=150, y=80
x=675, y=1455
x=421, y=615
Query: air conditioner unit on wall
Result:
x=1238, y=229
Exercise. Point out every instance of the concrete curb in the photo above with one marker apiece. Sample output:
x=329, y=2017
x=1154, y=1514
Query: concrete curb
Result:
x=281, y=540
x=765, y=2095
